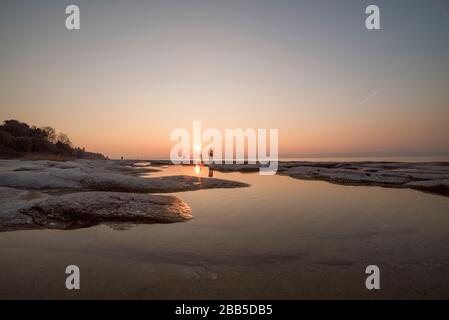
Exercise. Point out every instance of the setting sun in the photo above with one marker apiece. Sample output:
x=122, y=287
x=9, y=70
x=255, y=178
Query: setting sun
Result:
x=197, y=148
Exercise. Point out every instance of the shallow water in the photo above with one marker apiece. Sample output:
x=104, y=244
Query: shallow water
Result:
x=279, y=238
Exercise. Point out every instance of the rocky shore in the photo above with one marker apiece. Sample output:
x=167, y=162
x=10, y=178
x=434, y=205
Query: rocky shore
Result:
x=430, y=177
x=83, y=193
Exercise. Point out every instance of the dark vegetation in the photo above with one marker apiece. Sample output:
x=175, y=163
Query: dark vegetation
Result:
x=18, y=139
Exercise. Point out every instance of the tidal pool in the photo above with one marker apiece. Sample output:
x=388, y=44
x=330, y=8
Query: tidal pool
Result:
x=280, y=238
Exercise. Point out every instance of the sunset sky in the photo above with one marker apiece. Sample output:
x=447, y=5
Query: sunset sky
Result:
x=139, y=69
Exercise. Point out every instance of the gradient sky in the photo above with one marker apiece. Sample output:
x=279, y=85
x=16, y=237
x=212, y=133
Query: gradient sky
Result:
x=138, y=69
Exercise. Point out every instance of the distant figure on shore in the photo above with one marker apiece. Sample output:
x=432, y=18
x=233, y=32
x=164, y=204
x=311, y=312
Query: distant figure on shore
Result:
x=201, y=159
x=211, y=156
x=211, y=172
x=122, y=157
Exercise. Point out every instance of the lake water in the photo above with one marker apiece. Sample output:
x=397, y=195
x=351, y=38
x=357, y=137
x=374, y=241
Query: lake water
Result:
x=278, y=238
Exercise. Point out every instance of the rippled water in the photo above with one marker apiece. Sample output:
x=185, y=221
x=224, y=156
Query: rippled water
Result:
x=279, y=238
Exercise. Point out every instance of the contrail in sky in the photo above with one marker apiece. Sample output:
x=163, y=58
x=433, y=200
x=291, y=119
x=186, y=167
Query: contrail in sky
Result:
x=372, y=95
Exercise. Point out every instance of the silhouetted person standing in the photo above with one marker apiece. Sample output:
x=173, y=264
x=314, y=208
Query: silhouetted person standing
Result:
x=211, y=156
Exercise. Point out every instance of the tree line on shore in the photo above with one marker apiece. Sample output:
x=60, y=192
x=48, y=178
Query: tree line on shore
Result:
x=18, y=139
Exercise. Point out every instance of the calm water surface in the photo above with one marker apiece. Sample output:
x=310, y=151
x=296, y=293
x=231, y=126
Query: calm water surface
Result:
x=279, y=238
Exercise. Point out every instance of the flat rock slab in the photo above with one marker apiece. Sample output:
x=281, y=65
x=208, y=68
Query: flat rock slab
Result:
x=86, y=209
x=432, y=177
x=11, y=201
x=98, y=176
x=112, y=182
